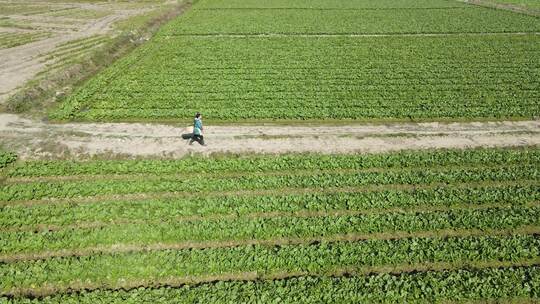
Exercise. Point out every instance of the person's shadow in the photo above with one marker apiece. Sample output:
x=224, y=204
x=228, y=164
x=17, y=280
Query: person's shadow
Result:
x=187, y=136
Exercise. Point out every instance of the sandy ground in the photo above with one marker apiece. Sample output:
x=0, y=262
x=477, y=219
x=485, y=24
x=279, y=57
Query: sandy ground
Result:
x=34, y=139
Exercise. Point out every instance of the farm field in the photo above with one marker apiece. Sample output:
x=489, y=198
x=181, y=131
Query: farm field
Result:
x=321, y=60
x=358, y=151
x=433, y=225
x=330, y=77
x=32, y=33
x=469, y=19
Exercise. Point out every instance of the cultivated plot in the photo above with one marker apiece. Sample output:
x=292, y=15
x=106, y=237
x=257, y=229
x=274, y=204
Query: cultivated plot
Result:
x=262, y=226
x=322, y=4
x=318, y=78
x=388, y=60
x=468, y=19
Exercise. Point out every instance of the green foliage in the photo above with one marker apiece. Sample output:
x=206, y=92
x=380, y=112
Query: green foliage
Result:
x=324, y=4
x=316, y=259
x=170, y=209
x=286, y=163
x=7, y=158
x=265, y=228
x=466, y=19
x=309, y=60
x=194, y=219
x=324, y=180
x=455, y=285
x=266, y=78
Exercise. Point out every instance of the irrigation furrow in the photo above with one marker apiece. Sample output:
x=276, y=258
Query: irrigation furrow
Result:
x=55, y=57
x=351, y=237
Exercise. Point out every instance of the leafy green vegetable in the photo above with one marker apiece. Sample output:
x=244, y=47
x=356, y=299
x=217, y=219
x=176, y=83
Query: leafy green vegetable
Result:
x=289, y=163
x=363, y=78
x=311, y=60
x=7, y=158
x=457, y=285
x=175, y=208
x=265, y=228
x=315, y=259
x=104, y=224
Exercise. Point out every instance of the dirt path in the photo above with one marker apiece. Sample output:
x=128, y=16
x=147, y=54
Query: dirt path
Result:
x=33, y=139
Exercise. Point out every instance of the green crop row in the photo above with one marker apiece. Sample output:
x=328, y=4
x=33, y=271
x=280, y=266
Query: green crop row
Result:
x=323, y=4
x=456, y=285
x=317, y=259
x=463, y=19
x=317, y=78
x=69, y=50
x=265, y=228
x=70, y=189
x=264, y=163
x=229, y=113
x=168, y=209
x=79, y=13
x=9, y=40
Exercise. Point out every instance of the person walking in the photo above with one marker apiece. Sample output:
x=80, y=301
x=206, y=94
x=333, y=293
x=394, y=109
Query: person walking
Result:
x=197, y=130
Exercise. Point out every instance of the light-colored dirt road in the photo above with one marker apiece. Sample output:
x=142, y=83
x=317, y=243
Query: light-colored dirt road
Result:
x=32, y=139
